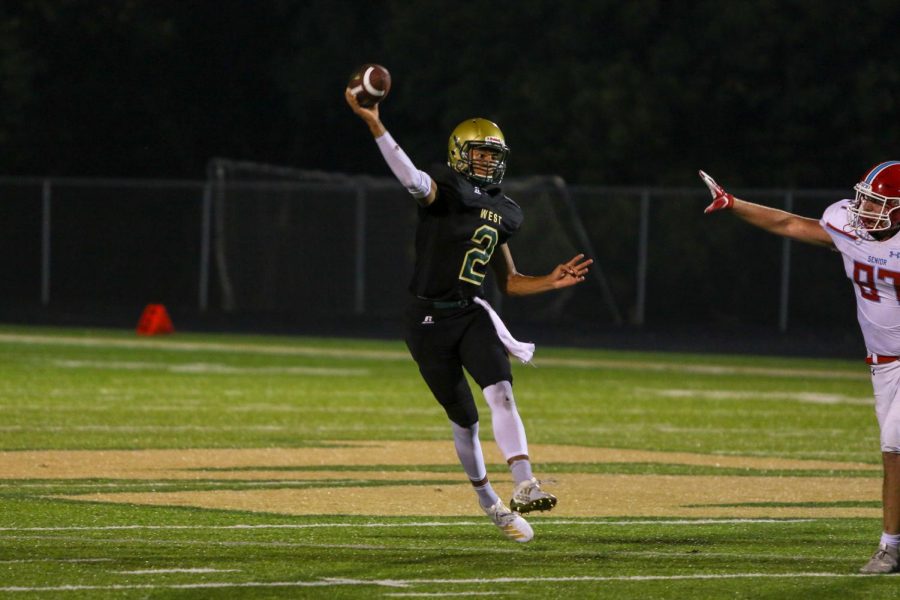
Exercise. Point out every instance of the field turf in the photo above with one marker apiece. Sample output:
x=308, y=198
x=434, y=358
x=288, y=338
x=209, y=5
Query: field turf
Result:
x=78, y=522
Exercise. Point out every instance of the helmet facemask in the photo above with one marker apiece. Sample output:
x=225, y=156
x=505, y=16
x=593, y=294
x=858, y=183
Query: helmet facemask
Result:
x=477, y=150
x=487, y=166
x=873, y=215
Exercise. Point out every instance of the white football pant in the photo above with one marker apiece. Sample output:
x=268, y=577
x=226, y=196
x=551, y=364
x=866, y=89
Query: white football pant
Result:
x=886, y=384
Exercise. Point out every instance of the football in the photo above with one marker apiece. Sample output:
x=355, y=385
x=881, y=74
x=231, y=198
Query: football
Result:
x=370, y=84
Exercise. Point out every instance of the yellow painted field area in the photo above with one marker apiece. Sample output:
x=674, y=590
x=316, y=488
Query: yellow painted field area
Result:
x=426, y=493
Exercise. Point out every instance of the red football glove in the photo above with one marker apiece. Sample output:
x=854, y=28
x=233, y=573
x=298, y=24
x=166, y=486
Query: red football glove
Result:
x=721, y=198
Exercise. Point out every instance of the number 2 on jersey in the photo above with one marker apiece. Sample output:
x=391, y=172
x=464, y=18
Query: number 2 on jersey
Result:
x=473, y=267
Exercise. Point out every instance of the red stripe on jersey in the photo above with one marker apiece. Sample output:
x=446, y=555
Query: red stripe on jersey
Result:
x=840, y=231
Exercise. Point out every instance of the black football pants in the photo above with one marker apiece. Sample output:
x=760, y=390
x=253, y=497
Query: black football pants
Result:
x=443, y=342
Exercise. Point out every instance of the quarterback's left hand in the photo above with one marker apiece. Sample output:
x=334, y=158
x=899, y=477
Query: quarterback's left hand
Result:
x=571, y=272
x=721, y=198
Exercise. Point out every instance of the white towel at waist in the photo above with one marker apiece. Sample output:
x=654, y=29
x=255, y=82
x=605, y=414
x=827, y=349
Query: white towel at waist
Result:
x=521, y=350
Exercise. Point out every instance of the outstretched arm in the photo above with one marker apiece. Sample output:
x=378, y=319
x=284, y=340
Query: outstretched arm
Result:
x=770, y=219
x=513, y=283
x=416, y=182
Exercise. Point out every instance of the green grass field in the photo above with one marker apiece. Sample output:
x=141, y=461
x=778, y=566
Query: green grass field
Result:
x=315, y=498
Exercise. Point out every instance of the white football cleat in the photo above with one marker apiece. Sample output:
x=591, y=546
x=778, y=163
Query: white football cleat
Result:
x=529, y=496
x=885, y=560
x=510, y=523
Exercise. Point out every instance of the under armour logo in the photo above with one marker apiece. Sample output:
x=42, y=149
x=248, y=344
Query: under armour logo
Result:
x=427, y=320
x=894, y=254
x=477, y=190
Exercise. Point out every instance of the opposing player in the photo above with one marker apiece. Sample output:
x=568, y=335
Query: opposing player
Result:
x=864, y=231
x=464, y=223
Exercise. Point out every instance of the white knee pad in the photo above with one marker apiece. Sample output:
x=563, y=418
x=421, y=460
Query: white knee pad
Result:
x=499, y=396
x=509, y=432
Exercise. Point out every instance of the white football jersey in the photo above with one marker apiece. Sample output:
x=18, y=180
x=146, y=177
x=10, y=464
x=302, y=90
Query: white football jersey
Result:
x=874, y=270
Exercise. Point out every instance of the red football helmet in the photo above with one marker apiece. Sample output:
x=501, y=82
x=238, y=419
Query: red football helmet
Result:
x=875, y=208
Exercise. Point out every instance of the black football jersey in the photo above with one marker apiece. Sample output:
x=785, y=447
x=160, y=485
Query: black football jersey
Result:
x=457, y=236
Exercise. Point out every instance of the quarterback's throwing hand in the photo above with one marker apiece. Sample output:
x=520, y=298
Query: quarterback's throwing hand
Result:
x=721, y=198
x=366, y=114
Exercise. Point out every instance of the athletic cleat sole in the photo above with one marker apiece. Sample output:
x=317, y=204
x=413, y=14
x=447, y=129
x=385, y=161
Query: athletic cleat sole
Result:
x=541, y=504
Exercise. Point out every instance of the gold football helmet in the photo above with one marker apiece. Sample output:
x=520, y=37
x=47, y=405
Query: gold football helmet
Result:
x=484, y=167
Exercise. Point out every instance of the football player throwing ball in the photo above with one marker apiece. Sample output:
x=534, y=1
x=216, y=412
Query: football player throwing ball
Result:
x=464, y=224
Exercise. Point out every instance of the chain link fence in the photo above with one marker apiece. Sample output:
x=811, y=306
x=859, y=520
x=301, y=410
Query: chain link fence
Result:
x=256, y=243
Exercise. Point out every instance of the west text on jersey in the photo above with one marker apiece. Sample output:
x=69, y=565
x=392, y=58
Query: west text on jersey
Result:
x=491, y=216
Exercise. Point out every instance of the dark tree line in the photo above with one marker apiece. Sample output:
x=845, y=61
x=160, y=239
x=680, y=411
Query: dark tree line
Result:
x=764, y=93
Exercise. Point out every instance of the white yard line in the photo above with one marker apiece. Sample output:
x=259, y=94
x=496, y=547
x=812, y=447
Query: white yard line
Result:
x=206, y=368
x=147, y=428
x=183, y=346
x=162, y=571
x=389, y=355
x=54, y=560
x=406, y=583
x=480, y=523
x=296, y=428
x=215, y=543
x=239, y=483
x=440, y=594
x=801, y=397
x=504, y=549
